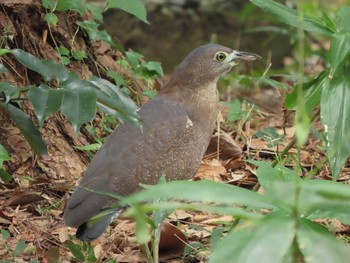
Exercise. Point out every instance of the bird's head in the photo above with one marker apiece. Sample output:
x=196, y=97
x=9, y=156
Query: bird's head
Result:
x=207, y=63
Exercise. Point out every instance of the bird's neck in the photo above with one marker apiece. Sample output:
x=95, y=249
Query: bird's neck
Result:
x=200, y=103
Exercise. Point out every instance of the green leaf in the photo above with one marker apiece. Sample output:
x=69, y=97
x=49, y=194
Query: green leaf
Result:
x=265, y=241
x=343, y=19
x=3, y=69
x=76, y=250
x=335, y=117
x=4, y=51
x=49, y=4
x=51, y=18
x=79, y=101
x=27, y=128
x=5, y=234
x=79, y=54
x=150, y=93
x=155, y=66
x=311, y=92
x=339, y=51
x=73, y=5
x=45, y=100
x=4, y=176
x=8, y=89
x=90, y=147
x=96, y=11
x=4, y=156
x=324, y=199
x=235, y=111
x=133, y=58
x=63, y=50
x=118, y=78
x=200, y=191
x=291, y=17
x=21, y=245
x=65, y=60
x=318, y=245
x=46, y=68
x=133, y=7
x=95, y=34
x=269, y=134
x=113, y=101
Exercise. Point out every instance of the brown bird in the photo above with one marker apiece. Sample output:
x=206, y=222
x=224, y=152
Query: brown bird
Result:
x=176, y=129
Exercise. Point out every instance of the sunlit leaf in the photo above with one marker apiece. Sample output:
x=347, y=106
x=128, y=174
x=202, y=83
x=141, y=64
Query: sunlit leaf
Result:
x=45, y=100
x=27, y=128
x=292, y=17
x=134, y=7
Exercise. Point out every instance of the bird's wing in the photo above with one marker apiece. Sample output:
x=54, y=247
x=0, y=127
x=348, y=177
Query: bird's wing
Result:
x=129, y=157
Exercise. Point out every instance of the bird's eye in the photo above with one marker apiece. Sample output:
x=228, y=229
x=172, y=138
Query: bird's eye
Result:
x=220, y=56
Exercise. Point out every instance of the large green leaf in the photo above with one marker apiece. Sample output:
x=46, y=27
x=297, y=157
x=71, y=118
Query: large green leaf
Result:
x=266, y=241
x=335, y=117
x=45, y=101
x=201, y=191
x=27, y=128
x=292, y=17
x=79, y=101
x=134, y=7
x=319, y=246
x=114, y=101
x=46, y=68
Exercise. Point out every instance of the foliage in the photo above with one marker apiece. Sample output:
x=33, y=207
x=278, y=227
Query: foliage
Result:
x=331, y=88
x=284, y=232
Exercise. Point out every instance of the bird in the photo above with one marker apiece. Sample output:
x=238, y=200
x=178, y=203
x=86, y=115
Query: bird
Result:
x=176, y=127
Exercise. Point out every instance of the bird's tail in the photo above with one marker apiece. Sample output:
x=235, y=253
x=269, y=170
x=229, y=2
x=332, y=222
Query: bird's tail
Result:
x=93, y=228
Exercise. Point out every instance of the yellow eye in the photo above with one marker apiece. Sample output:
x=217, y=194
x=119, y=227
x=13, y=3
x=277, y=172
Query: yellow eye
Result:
x=220, y=56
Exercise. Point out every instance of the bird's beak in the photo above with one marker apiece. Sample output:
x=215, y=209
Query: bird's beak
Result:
x=236, y=56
